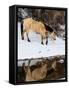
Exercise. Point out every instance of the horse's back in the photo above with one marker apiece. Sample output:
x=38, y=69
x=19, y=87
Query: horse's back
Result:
x=27, y=23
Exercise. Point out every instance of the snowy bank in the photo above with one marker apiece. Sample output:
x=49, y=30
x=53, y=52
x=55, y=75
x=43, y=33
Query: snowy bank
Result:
x=35, y=49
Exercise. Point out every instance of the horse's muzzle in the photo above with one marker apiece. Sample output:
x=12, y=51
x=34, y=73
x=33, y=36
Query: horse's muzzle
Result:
x=54, y=38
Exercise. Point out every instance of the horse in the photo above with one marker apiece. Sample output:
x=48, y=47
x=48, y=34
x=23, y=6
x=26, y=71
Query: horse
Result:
x=39, y=27
x=37, y=74
x=40, y=72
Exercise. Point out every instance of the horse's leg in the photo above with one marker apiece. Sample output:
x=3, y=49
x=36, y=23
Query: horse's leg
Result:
x=27, y=36
x=47, y=38
x=41, y=39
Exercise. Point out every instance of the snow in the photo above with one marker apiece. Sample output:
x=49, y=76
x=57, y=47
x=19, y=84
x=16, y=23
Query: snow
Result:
x=62, y=78
x=62, y=26
x=22, y=11
x=61, y=61
x=33, y=62
x=34, y=49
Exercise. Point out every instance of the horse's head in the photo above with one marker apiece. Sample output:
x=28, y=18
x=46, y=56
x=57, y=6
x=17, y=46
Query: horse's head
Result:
x=50, y=31
x=53, y=35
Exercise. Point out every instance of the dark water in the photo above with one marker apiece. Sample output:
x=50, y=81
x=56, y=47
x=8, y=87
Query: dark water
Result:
x=51, y=73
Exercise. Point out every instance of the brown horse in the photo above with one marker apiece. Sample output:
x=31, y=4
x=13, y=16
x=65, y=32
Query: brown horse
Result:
x=29, y=24
x=37, y=74
x=40, y=72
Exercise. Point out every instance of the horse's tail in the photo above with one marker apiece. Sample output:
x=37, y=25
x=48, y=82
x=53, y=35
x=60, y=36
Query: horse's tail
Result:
x=21, y=27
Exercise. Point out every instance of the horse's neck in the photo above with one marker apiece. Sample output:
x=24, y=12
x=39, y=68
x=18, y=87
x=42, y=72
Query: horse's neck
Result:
x=43, y=68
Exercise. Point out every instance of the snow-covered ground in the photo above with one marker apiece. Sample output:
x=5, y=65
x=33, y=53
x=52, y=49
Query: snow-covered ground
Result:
x=35, y=49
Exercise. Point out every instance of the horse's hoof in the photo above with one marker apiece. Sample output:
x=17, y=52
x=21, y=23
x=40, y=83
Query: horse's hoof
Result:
x=42, y=43
x=28, y=40
x=22, y=38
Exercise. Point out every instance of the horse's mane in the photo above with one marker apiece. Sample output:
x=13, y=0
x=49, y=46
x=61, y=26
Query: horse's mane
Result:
x=49, y=28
